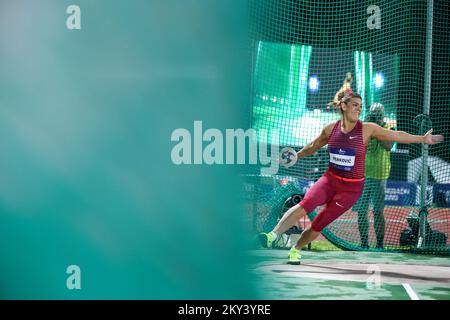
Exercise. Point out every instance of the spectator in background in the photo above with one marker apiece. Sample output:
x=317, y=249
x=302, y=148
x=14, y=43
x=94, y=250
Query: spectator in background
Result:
x=377, y=171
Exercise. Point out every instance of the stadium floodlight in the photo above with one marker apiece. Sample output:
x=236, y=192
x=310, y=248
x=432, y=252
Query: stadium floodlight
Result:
x=314, y=84
x=379, y=80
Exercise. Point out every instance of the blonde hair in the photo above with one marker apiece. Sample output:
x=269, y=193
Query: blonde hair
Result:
x=343, y=96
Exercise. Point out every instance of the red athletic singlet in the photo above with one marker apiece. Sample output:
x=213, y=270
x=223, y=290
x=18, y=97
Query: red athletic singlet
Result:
x=347, y=152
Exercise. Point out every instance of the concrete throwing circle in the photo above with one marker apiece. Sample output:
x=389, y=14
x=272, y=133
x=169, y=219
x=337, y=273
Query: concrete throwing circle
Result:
x=389, y=273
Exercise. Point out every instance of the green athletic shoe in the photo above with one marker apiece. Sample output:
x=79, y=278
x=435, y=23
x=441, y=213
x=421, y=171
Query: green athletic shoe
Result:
x=294, y=256
x=266, y=239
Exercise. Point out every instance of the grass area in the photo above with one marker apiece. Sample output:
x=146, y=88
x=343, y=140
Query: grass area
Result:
x=323, y=245
x=277, y=280
x=317, y=245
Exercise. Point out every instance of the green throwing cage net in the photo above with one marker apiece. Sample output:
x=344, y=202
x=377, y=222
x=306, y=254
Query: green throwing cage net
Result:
x=397, y=52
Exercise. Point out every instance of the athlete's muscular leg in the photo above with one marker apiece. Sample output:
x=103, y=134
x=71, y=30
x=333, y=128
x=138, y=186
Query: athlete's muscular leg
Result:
x=339, y=204
x=289, y=219
x=306, y=238
x=321, y=192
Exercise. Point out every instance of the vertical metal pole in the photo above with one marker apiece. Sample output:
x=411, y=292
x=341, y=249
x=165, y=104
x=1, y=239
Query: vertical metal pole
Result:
x=426, y=112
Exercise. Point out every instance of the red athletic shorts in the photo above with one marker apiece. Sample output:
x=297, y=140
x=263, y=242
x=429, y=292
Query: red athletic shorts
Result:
x=337, y=193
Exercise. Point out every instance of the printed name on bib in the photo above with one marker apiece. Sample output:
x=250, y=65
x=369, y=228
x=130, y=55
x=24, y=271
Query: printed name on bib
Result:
x=342, y=158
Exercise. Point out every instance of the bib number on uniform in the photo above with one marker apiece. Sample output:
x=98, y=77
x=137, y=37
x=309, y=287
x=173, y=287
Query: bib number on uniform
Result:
x=342, y=159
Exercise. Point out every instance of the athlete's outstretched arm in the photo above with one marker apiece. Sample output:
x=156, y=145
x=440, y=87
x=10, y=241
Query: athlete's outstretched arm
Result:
x=317, y=143
x=383, y=134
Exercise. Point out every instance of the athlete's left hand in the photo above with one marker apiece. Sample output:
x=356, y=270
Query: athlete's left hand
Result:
x=428, y=138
